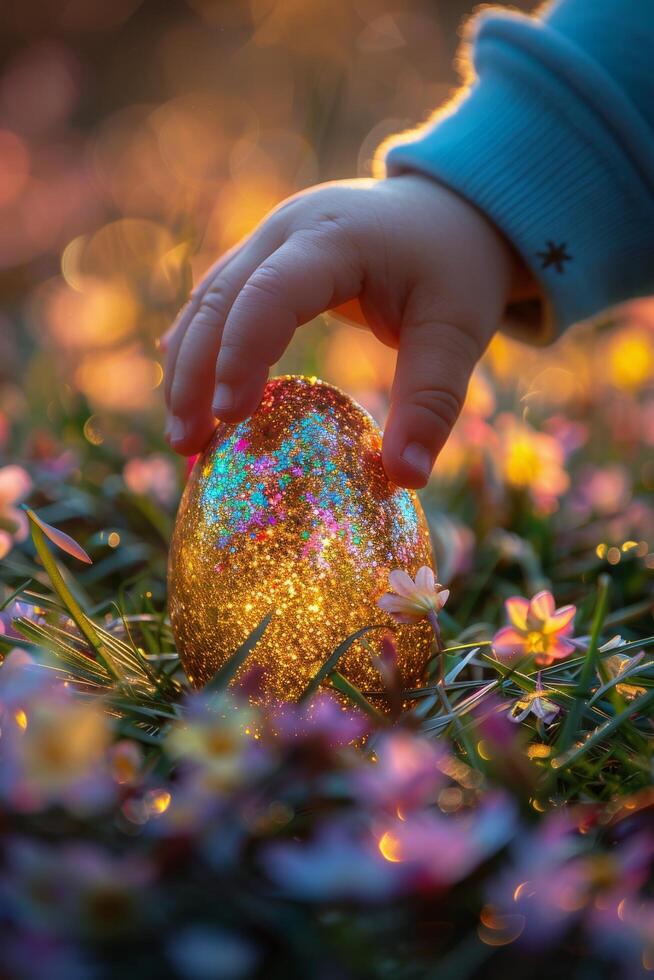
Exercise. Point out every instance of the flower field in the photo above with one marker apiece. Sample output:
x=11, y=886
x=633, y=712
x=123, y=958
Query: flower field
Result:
x=501, y=820
x=497, y=820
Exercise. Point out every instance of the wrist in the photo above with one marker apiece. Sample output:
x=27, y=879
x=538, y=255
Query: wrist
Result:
x=523, y=284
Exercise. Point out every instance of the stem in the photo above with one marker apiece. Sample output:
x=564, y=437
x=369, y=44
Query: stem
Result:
x=442, y=690
x=569, y=758
x=436, y=628
x=78, y=615
x=341, y=684
x=588, y=668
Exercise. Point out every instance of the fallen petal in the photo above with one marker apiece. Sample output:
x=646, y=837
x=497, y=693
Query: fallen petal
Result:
x=59, y=538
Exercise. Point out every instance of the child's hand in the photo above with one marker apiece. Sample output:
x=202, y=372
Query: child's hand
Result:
x=432, y=276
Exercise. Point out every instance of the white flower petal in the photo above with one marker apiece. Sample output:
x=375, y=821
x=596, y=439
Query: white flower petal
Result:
x=612, y=644
x=401, y=583
x=394, y=603
x=425, y=579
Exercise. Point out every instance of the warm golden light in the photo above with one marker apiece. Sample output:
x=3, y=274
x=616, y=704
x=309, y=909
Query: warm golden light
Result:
x=499, y=930
x=631, y=358
x=390, y=847
x=613, y=556
x=158, y=801
x=122, y=380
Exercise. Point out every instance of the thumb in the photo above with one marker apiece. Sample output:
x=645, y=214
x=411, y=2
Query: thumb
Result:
x=434, y=365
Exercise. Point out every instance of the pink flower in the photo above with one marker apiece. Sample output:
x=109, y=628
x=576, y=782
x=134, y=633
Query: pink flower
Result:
x=412, y=601
x=15, y=484
x=53, y=746
x=602, y=490
x=322, y=721
x=557, y=877
x=406, y=773
x=438, y=849
x=152, y=476
x=537, y=629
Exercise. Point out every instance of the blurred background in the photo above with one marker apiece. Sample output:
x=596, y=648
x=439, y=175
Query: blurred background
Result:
x=138, y=140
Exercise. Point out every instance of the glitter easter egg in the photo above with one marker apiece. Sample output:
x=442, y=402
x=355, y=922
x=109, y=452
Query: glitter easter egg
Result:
x=290, y=512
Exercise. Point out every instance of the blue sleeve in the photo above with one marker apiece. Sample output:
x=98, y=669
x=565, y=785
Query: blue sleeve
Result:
x=554, y=141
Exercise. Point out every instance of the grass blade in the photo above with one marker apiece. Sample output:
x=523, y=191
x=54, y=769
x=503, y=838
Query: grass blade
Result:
x=330, y=663
x=26, y=584
x=341, y=684
x=225, y=674
x=77, y=614
x=568, y=759
x=589, y=668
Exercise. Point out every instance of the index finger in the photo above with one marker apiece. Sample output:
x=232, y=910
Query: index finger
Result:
x=304, y=277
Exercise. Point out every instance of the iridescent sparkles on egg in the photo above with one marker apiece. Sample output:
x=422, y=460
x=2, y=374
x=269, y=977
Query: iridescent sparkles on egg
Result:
x=290, y=512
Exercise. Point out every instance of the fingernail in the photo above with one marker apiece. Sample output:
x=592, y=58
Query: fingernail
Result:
x=223, y=399
x=176, y=429
x=418, y=458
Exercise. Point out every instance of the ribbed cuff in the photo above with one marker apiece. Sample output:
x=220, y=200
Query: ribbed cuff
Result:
x=548, y=167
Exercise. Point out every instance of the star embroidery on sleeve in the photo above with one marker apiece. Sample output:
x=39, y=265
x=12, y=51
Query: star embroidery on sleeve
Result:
x=555, y=255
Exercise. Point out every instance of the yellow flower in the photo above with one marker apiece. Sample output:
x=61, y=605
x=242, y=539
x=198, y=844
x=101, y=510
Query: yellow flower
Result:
x=631, y=358
x=531, y=460
x=218, y=738
x=64, y=742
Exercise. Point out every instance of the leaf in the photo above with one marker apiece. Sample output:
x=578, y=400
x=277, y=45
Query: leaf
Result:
x=225, y=674
x=330, y=664
x=59, y=538
x=10, y=598
x=60, y=643
x=130, y=730
x=341, y=684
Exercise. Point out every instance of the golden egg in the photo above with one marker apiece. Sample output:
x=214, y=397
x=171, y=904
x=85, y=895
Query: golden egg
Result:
x=291, y=513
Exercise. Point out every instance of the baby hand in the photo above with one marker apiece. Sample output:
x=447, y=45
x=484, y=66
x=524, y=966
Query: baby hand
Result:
x=432, y=277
